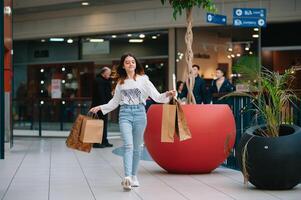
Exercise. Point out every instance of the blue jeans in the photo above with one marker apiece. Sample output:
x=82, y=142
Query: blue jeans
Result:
x=132, y=122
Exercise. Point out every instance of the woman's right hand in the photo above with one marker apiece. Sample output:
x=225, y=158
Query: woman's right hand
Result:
x=95, y=109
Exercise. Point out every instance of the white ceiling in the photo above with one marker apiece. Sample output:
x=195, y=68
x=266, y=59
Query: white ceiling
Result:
x=30, y=6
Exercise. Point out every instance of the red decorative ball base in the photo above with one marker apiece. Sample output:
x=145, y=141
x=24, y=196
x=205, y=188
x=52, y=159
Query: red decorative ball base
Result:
x=213, y=135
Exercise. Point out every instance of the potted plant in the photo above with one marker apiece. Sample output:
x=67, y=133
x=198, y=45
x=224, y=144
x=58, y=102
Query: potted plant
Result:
x=269, y=153
x=210, y=144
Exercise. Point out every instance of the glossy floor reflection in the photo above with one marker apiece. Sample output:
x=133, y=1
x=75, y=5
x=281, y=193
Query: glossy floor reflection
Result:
x=38, y=169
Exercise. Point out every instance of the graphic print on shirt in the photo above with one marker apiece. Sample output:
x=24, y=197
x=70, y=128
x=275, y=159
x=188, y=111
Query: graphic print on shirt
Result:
x=131, y=95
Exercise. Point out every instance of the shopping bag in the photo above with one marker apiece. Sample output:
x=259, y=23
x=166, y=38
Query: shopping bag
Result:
x=174, y=122
x=73, y=140
x=182, y=128
x=91, y=130
x=168, y=123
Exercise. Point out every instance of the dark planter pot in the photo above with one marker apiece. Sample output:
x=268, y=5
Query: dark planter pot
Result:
x=272, y=163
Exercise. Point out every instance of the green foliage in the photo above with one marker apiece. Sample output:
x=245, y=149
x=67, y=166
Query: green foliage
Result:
x=271, y=92
x=180, y=5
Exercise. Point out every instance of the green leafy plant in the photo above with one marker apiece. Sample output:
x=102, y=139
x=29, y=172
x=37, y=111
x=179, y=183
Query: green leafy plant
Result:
x=187, y=5
x=270, y=92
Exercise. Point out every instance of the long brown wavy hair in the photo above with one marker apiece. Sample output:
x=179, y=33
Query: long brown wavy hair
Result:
x=121, y=73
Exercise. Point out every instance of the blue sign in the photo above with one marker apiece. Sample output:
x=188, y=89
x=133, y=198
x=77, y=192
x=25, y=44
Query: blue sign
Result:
x=249, y=12
x=249, y=22
x=216, y=19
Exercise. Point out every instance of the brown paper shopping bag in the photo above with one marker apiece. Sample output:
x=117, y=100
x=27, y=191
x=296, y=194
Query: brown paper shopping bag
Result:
x=182, y=128
x=168, y=123
x=174, y=121
x=73, y=140
x=91, y=130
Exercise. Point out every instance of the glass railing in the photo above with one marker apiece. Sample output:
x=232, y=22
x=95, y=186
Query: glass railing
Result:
x=40, y=115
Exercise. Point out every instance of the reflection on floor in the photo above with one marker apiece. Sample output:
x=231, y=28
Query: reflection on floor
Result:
x=38, y=169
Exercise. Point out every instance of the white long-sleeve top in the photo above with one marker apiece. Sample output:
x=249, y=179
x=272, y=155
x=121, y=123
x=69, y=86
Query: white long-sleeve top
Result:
x=133, y=92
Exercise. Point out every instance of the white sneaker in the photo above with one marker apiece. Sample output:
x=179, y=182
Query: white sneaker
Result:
x=126, y=183
x=135, y=182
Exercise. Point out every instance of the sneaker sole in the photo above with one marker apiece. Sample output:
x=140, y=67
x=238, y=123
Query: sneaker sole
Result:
x=126, y=185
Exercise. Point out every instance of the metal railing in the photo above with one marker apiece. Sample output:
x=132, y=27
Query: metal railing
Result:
x=59, y=115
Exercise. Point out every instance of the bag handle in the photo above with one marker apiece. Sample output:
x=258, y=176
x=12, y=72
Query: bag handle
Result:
x=93, y=115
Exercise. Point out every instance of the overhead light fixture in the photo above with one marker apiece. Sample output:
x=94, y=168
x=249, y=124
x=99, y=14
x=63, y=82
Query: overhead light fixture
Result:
x=255, y=36
x=232, y=55
x=42, y=70
x=250, y=52
x=154, y=37
x=256, y=29
x=42, y=82
x=70, y=41
x=230, y=48
x=43, y=40
x=114, y=36
x=146, y=66
x=56, y=39
x=63, y=69
x=142, y=36
x=247, y=47
x=129, y=35
x=85, y=3
x=229, y=56
x=96, y=40
x=63, y=81
x=238, y=54
x=135, y=40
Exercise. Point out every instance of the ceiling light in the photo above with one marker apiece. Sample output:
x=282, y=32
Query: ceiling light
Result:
x=154, y=37
x=70, y=41
x=256, y=29
x=114, y=36
x=230, y=48
x=85, y=3
x=135, y=40
x=43, y=40
x=63, y=81
x=247, y=47
x=255, y=36
x=250, y=52
x=96, y=40
x=232, y=55
x=42, y=82
x=146, y=66
x=142, y=36
x=229, y=56
x=42, y=70
x=129, y=35
x=63, y=69
x=238, y=55
x=56, y=39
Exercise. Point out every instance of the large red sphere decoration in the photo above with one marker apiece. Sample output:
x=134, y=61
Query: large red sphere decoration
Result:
x=213, y=135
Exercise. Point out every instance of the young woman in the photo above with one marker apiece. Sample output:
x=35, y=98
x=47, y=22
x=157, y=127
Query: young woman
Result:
x=131, y=91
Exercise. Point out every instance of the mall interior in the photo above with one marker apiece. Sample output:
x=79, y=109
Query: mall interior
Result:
x=51, y=52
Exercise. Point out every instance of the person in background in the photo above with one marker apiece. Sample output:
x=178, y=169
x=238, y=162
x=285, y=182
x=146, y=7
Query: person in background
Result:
x=220, y=86
x=132, y=89
x=180, y=87
x=102, y=94
x=199, y=90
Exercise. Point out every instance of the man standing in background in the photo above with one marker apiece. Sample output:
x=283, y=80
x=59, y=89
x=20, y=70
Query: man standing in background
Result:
x=102, y=94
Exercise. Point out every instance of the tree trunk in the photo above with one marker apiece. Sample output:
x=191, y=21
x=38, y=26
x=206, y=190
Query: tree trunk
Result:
x=189, y=56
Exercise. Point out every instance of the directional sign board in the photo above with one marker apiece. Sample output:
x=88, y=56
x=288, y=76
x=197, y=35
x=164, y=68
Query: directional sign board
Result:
x=249, y=12
x=249, y=17
x=216, y=19
x=249, y=22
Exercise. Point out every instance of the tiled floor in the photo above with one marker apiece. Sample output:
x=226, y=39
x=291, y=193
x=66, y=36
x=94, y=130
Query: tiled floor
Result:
x=38, y=169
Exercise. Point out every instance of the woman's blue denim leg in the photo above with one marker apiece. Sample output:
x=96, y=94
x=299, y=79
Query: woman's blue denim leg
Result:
x=139, y=125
